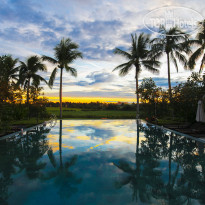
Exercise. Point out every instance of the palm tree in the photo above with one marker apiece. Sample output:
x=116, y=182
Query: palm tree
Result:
x=65, y=179
x=8, y=69
x=65, y=53
x=144, y=176
x=199, y=41
x=31, y=148
x=8, y=76
x=28, y=73
x=174, y=43
x=138, y=57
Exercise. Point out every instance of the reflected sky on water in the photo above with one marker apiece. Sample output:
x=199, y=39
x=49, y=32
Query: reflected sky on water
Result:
x=101, y=162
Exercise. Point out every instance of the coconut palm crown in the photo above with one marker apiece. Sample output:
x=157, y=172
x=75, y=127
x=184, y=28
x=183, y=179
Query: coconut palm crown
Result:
x=174, y=43
x=8, y=68
x=199, y=42
x=65, y=53
x=28, y=73
x=137, y=57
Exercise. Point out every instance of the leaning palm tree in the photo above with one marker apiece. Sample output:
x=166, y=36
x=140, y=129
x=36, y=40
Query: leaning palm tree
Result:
x=28, y=73
x=173, y=43
x=65, y=53
x=199, y=41
x=138, y=57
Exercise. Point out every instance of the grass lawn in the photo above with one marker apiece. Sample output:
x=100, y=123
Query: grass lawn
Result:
x=77, y=113
x=30, y=122
x=93, y=114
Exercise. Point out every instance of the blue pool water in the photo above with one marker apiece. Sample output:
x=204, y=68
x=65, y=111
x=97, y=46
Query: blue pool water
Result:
x=91, y=162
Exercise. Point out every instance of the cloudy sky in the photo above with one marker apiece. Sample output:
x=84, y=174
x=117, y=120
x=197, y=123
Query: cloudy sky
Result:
x=34, y=27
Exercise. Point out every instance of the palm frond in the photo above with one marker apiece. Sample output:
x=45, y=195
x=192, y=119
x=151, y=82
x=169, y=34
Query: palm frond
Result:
x=122, y=53
x=66, y=52
x=37, y=79
x=52, y=157
x=71, y=70
x=194, y=57
x=150, y=68
x=74, y=55
x=124, y=68
x=175, y=61
x=52, y=77
x=202, y=64
x=182, y=59
x=124, y=166
x=151, y=62
x=49, y=59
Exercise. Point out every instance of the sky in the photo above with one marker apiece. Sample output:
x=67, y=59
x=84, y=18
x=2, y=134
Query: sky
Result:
x=35, y=27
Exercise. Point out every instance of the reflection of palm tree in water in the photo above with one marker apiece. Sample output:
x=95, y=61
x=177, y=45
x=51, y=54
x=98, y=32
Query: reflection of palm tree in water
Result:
x=192, y=178
x=7, y=168
x=21, y=154
x=147, y=183
x=202, y=163
x=32, y=147
x=181, y=186
x=143, y=178
x=63, y=177
x=157, y=142
x=171, y=191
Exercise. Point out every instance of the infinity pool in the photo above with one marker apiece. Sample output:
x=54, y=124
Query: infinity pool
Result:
x=91, y=162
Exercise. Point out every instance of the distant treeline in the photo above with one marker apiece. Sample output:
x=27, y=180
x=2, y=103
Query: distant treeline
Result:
x=94, y=105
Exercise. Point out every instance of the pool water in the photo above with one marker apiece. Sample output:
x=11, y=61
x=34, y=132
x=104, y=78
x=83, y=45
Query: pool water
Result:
x=101, y=162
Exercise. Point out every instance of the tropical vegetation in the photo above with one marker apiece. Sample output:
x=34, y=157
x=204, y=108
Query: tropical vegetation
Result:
x=21, y=89
x=28, y=74
x=138, y=57
x=174, y=43
x=65, y=53
x=199, y=43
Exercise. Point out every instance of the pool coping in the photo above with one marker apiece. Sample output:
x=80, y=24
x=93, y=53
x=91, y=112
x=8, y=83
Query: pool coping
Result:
x=158, y=126
x=176, y=132
x=18, y=132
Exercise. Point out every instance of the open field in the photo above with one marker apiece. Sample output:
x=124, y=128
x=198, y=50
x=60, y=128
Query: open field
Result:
x=93, y=114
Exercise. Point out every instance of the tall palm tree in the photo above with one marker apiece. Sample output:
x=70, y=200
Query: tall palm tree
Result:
x=138, y=57
x=8, y=76
x=174, y=43
x=8, y=69
x=199, y=41
x=65, y=53
x=63, y=177
x=28, y=73
x=144, y=176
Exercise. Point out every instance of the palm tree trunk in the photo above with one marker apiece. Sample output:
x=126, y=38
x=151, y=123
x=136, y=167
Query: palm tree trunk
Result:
x=60, y=144
x=169, y=79
x=61, y=74
x=28, y=99
x=137, y=157
x=170, y=169
x=138, y=137
x=28, y=92
x=137, y=95
x=170, y=159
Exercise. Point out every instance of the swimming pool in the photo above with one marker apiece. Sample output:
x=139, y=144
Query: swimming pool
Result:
x=101, y=162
